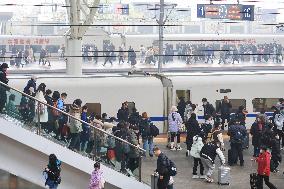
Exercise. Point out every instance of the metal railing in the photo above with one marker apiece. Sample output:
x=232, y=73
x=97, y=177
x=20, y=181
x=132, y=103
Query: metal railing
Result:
x=96, y=130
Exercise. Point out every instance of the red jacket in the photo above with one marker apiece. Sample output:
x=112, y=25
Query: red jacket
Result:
x=263, y=161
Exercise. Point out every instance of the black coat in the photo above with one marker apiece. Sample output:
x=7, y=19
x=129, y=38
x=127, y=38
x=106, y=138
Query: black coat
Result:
x=256, y=134
x=122, y=114
x=3, y=77
x=192, y=128
x=162, y=169
x=31, y=83
x=276, y=150
x=209, y=110
x=234, y=129
x=3, y=94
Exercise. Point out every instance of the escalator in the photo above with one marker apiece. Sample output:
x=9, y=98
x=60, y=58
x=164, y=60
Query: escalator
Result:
x=25, y=147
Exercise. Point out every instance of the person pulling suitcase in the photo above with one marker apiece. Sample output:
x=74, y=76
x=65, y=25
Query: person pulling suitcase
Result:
x=263, y=170
x=208, y=154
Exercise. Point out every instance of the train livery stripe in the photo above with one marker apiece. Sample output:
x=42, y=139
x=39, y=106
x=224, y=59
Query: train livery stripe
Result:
x=161, y=118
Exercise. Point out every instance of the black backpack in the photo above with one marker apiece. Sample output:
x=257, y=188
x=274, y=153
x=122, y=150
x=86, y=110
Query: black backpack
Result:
x=154, y=130
x=237, y=136
x=172, y=169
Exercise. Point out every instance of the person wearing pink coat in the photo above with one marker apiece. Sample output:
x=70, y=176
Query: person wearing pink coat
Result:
x=97, y=180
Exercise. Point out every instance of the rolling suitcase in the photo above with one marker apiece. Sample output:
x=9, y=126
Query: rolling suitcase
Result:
x=154, y=181
x=253, y=180
x=224, y=175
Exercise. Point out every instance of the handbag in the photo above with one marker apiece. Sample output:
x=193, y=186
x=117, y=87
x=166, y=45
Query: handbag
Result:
x=182, y=128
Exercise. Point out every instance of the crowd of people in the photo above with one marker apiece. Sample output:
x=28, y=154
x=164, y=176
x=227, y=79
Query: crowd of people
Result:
x=189, y=53
x=79, y=136
x=205, y=140
x=20, y=57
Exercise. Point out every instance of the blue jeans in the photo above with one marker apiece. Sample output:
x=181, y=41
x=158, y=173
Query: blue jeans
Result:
x=51, y=184
x=148, y=142
x=256, y=151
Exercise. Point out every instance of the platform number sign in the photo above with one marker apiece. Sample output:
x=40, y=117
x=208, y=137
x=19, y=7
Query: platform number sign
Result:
x=226, y=11
x=248, y=12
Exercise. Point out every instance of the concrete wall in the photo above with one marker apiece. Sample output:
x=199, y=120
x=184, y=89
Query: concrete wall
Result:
x=25, y=154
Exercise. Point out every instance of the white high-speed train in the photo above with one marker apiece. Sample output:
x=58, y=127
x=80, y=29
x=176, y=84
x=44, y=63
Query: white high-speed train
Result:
x=156, y=94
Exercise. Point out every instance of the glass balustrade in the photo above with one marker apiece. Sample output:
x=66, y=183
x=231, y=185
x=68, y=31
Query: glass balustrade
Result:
x=91, y=139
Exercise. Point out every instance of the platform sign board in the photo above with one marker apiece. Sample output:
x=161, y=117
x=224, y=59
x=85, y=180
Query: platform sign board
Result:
x=226, y=11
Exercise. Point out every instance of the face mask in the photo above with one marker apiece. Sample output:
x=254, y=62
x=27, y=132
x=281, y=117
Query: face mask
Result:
x=261, y=151
x=204, y=103
x=277, y=137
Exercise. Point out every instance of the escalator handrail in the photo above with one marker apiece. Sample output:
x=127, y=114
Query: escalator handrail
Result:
x=100, y=130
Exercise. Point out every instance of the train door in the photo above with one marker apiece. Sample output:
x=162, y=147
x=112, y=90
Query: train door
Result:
x=94, y=108
x=182, y=97
x=182, y=94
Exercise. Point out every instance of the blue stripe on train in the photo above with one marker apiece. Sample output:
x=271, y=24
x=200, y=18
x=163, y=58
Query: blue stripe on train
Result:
x=161, y=119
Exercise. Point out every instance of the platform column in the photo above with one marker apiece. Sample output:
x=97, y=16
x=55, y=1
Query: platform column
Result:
x=77, y=30
x=74, y=59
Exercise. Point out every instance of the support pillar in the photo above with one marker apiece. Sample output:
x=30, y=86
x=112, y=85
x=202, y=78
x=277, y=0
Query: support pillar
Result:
x=74, y=57
x=161, y=36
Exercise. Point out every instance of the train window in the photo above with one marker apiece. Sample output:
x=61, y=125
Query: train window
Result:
x=18, y=47
x=263, y=104
x=236, y=103
x=36, y=48
x=182, y=94
x=52, y=48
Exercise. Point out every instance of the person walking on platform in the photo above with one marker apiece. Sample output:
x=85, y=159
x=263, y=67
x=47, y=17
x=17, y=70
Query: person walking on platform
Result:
x=97, y=180
x=175, y=121
x=165, y=180
x=208, y=154
x=237, y=133
x=121, y=55
x=145, y=131
x=52, y=172
x=5, y=80
x=108, y=57
x=257, y=129
x=263, y=170
x=192, y=129
x=195, y=153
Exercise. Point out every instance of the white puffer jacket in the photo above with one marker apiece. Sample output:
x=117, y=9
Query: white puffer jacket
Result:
x=196, y=147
